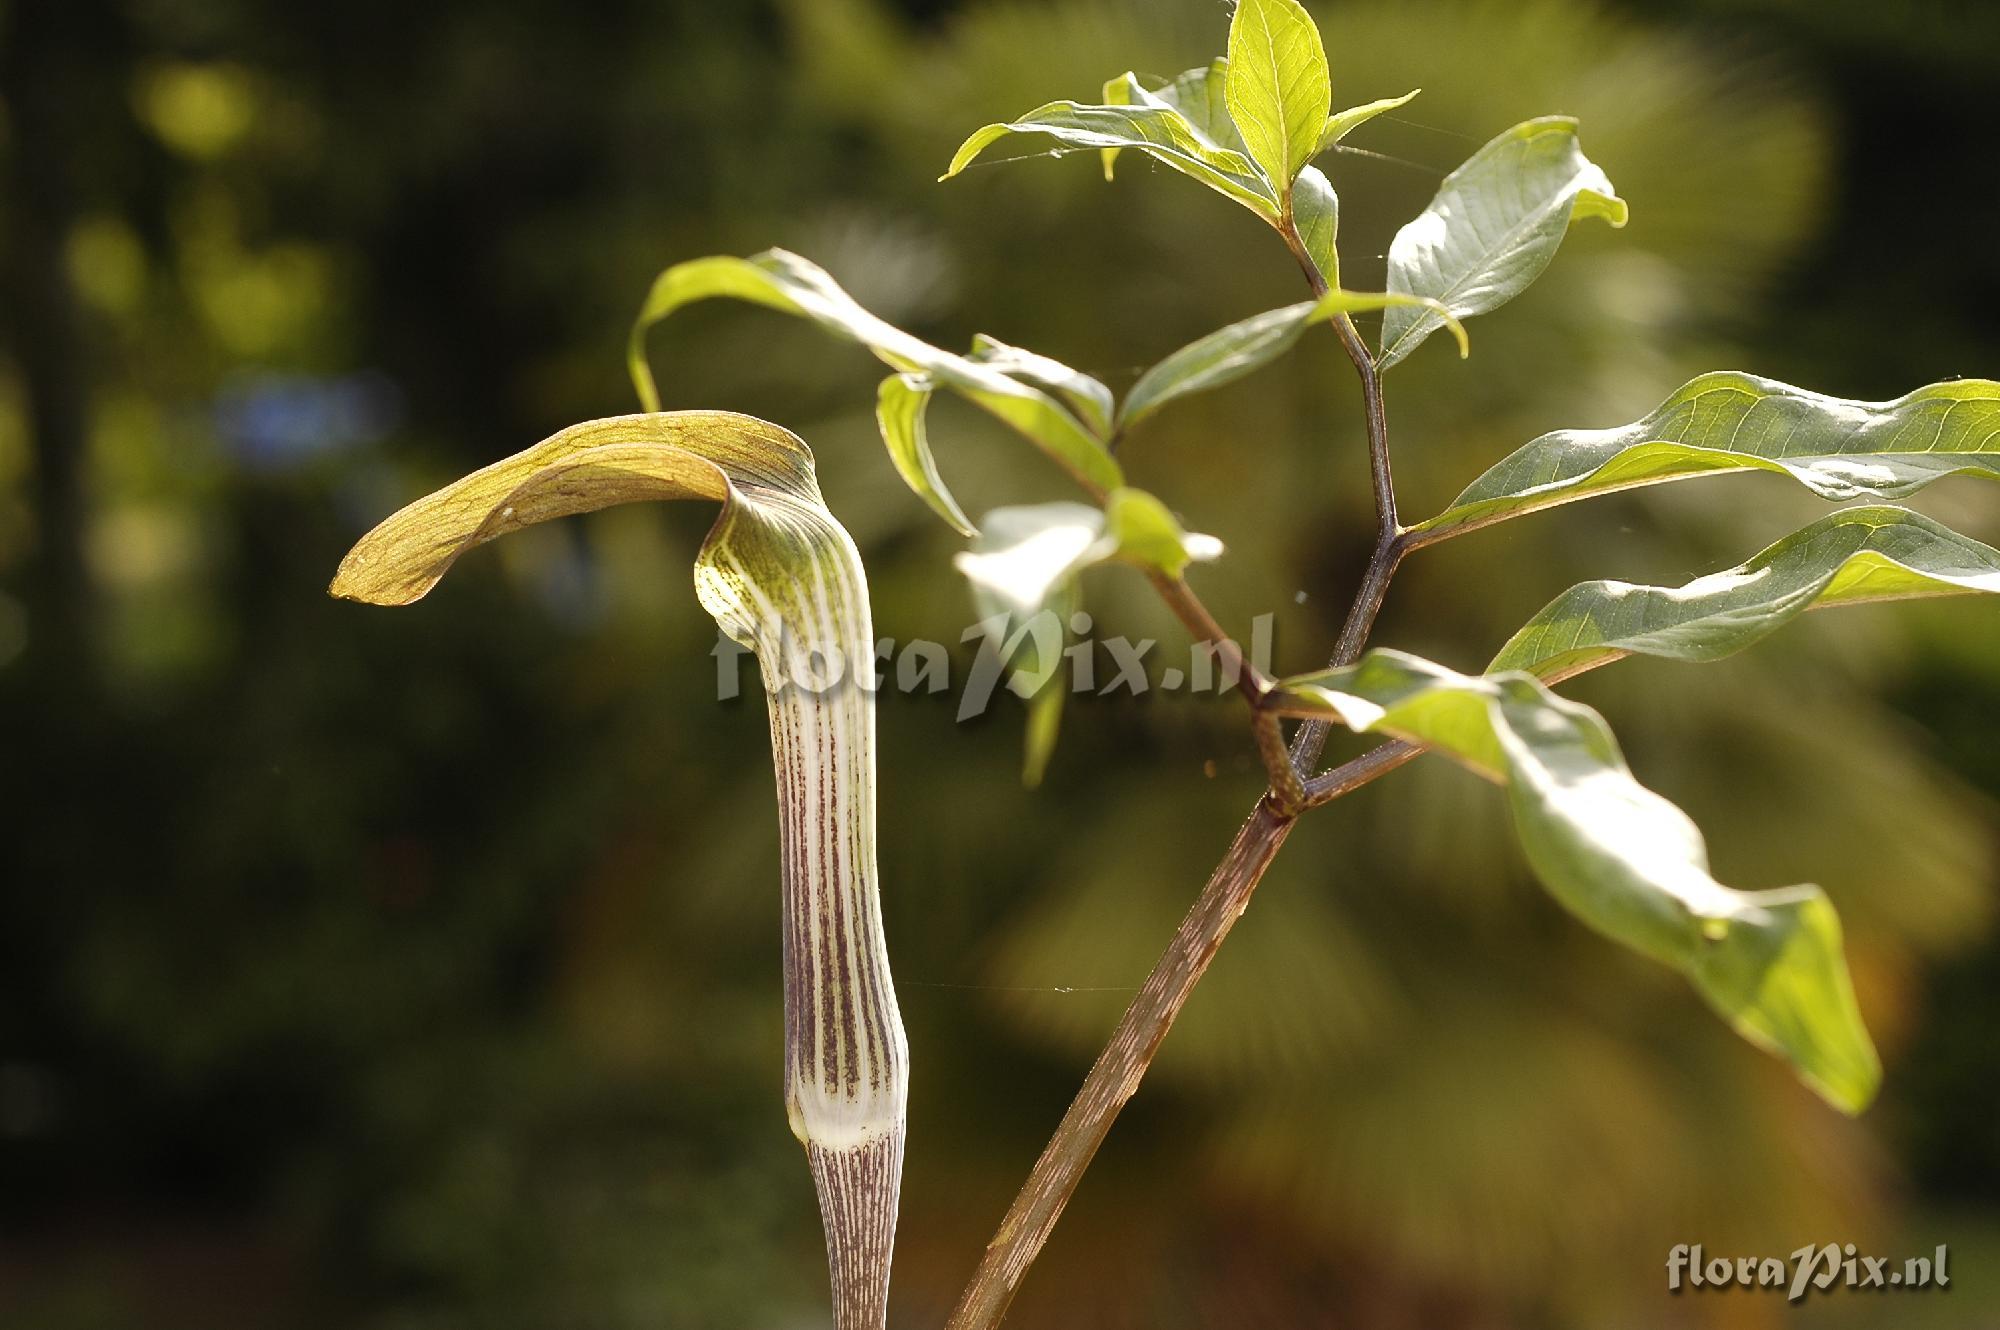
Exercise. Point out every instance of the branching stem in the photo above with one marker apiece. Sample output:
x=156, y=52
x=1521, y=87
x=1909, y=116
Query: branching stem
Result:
x=1115, y=1076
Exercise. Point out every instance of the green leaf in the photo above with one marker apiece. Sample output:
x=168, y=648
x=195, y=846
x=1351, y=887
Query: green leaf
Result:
x=900, y=406
x=1277, y=85
x=1316, y=216
x=1229, y=353
x=1142, y=530
x=1159, y=131
x=1198, y=94
x=1024, y=554
x=1342, y=123
x=1088, y=398
x=1494, y=226
x=1023, y=570
x=782, y=280
x=1624, y=860
x=1854, y=556
x=1729, y=421
x=781, y=576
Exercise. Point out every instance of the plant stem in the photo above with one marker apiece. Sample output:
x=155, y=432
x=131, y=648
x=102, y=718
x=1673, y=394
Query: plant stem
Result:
x=1389, y=542
x=1115, y=1076
x=1287, y=784
x=1118, y=1070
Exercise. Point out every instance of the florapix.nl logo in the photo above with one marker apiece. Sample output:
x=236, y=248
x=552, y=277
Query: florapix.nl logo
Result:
x=1023, y=653
x=1811, y=1269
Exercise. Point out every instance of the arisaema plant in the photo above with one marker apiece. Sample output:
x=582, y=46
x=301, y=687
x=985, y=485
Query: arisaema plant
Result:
x=781, y=576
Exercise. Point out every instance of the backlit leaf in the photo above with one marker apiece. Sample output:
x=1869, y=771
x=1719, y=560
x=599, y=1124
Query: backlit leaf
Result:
x=1159, y=131
x=1850, y=557
x=1624, y=860
x=1277, y=85
x=1023, y=571
x=1229, y=353
x=1729, y=421
x=784, y=281
x=1198, y=94
x=781, y=576
x=1342, y=123
x=1143, y=531
x=900, y=407
x=1089, y=399
x=1316, y=216
x=1494, y=226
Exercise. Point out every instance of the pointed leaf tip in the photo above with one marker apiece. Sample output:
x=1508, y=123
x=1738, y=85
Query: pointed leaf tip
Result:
x=1854, y=556
x=1493, y=228
x=1162, y=125
x=1342, y=123
x=1624, y=860
x=1278, y=87
x=1229, y=353
x=1730, y=421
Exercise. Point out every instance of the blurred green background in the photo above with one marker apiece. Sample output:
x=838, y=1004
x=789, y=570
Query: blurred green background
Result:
x=419, y=970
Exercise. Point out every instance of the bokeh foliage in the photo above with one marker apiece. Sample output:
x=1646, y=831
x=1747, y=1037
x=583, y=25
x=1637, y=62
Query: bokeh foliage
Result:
x=352, y=973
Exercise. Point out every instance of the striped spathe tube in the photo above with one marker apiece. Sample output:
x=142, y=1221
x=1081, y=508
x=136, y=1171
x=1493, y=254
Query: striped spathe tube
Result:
x=783, y=577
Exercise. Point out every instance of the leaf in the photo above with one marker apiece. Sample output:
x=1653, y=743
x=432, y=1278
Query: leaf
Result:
x=1277, y=85
x=1729, y=421
x=1342, y=123
x=1159, y=131
x=1143, y=531
x=1023, y=570
x=1494, y=226
x=781, y=576
x=1089, y=399
x=900, y=405
x=1850, y=557
x=1023, y=554
x=784, y=281
x=1316, y=217
x=1198, y=94
x=1229, y=353
x=1624, y=860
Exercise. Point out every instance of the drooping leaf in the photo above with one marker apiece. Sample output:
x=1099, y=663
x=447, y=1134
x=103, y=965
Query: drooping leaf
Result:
x=1850, y=557
x=1494, y=226
x=1624, y=860
x=1277, y=85
x=1089, y=399
x=1729, y=421
x=1198, y=94
x=780, y=575
x=1342, y=123
x=1159, y=131
x=1316, y=216
x=1023, y=571
x=1229, y=353
x=901, y=404
x=784, y=281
